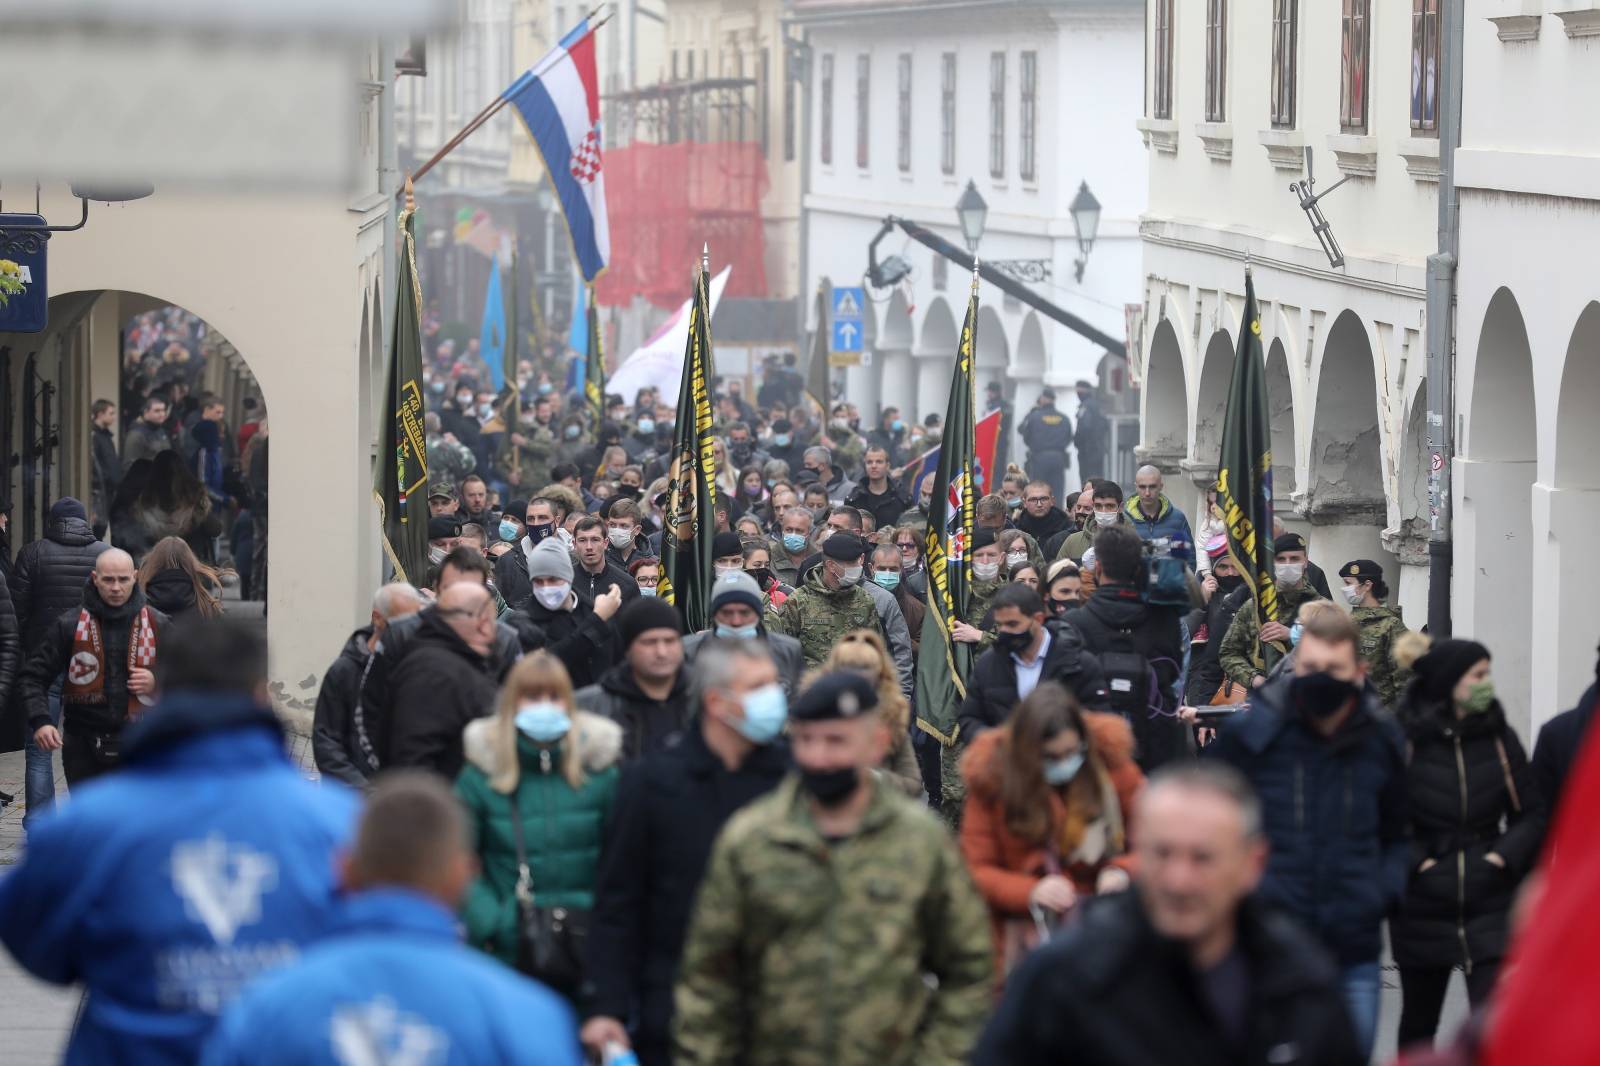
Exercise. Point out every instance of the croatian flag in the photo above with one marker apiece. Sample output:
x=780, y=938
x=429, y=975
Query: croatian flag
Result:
x=559, y=101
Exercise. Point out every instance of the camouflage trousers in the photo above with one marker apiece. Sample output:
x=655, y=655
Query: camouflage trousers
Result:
x=952, y=789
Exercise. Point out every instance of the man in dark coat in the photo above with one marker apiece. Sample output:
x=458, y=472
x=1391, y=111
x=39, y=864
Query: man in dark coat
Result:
x=1040, y=518
x=1187, y=967
x=105, y=465
x=1093, y=434
x=731, y=755
x=736, y=606
x=576, y=630
x=1330, y=767
x=333, y=739
x=1208, y=625
x=1557, y=746
x=1027, y=650
x=647, y=693
x=1048, y=434
x=447, y=679
x=875, y=493
x=595, y=574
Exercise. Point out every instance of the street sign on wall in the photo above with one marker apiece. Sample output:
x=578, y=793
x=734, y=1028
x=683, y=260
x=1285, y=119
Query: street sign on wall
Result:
x=849, y=304
x=24, y=297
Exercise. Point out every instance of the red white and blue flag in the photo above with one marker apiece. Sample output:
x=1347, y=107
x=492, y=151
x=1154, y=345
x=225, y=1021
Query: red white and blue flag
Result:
x=559, y=102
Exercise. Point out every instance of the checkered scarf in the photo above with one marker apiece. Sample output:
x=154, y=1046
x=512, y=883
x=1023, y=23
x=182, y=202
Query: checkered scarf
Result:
x=86, y=669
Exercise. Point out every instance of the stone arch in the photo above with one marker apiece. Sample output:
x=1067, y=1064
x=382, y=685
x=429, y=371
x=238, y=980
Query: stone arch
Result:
x=1211, y=401
x=895, y=333
x=890, y=374
x=939, y=336
x=1030, y=358
x=1280, y=410
x=991, y=356
x=1345, y=488
x=1164, y=422
x=1577, y=428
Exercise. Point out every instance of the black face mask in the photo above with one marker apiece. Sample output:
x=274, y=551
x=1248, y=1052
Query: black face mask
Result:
x=1228, y=584
x=1320, y=695
x=1061, y=607
x=761, y=575
x=540, y=531
x=741, y=452
x=1013, y=643
x=831, y=787
x=630, y=491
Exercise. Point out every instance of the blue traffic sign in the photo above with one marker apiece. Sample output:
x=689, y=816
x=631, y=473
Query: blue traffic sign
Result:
x=849, y=305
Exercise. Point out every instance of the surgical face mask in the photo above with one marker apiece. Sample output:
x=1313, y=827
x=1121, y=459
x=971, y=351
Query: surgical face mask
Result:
x=1013, y=501
x=620, y=538
x=545, y=388
x=565, y=535
x=1294, y=634
x=1288, y=573
x=752, y=490
x=850, y=575
x=647, y=426
x=887, y=579
x=985, y=571
x=727, y=568
x=571, y=432
x=1353, y=594
x=793, y=542
x=436, y=387
x=486, y=409
x=508, y=530
x=781, y=439
x=897, y=426
x=436, y=555
x=552, y=597
x=1480, y=697
x=543, y=721
x=1013, y=558
x=765, y=711
x=1061, y=771
x=1105, y=518
x=463, y=399
x=647, y=590
x=737, y=632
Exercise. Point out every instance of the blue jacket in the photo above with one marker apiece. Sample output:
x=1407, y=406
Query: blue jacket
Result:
x=1169, y=522
x=393, y=974
x=163, y=887
x=1335, y=814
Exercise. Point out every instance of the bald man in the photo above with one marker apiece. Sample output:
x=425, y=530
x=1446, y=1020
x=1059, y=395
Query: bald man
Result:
x=447, y=678
x=1155, y=517
x=103, y=651
x=333, y=737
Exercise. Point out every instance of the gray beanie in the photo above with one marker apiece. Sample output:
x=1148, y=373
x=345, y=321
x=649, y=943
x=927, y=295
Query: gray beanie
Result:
x=551, y=559
x=735, y=586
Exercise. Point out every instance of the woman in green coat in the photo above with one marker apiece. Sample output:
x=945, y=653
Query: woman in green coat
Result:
x=556, y=767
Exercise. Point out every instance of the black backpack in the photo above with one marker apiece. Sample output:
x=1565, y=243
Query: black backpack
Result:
x=1139, y=686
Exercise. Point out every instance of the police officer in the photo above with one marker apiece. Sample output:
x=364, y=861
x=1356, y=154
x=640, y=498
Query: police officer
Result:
x=830, y=603
x=1379, y=625
x=1048, y=434
x=826, y=906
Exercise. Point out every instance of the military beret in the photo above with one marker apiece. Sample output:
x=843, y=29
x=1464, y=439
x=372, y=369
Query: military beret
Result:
x=1364, y=569
x=726, y=544
x=842, y=694
x=1289, y=542
x=441, y=526
x=844, y=547
x=982, y=537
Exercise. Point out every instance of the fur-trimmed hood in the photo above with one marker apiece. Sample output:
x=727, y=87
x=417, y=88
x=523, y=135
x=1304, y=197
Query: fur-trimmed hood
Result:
x=1109, y=735
x=599, y=741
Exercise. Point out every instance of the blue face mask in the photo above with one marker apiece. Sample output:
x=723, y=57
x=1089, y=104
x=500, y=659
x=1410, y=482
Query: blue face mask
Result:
x=545, y=388
x=1062, y=771
x=793, y=542
x=1294, y=635
x=543, y=721
x=508, y=530
x=436, y=387
x=897, y=425
x=647, y=590
x=647, y=426
x=1013, y=501
x=572, y=432
x=737, y=632
x=889, y=579
x=781, y=440
x=765, y=711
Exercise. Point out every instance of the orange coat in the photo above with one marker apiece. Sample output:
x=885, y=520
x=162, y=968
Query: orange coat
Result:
x=1005, y=867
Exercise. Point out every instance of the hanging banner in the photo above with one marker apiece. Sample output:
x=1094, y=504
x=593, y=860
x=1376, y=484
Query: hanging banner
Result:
x=24, y=296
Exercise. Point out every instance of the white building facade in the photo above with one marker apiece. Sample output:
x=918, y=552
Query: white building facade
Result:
x=1236, y=92
x=908, y=102
x=1526, y=473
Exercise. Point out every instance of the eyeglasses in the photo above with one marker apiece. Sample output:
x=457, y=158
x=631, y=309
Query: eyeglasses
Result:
x=1036, y=499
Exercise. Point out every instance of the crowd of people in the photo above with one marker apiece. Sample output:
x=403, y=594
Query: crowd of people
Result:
x=1164, y=828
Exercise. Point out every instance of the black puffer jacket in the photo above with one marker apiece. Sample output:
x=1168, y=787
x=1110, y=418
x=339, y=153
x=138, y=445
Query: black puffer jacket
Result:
x=50, y=573
x=1205, y=668
x=1471, y=793
x=647, y=725
x=48, y=658
x=1116, y=621
x=440, y=686
x=10, y=652
x=333, y=740
x=583, y=641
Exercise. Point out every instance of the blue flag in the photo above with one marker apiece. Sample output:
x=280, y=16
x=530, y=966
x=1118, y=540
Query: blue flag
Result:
x=492, y=334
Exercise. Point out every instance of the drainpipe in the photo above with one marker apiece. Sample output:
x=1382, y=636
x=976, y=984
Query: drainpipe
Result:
x=1441, y=323
x=802, y=58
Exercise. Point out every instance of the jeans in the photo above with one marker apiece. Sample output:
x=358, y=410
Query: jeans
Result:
x=1362, y=988
x=39, y=789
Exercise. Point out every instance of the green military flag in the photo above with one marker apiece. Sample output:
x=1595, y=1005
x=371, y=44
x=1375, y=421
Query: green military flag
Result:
x=817, y=369
x=400, y=485
x=1244, y=470
x=594, y=371
x=690, y=516
x=944, y=664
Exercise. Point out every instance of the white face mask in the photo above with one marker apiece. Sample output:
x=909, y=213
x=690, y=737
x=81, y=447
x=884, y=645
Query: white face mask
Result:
x=620, y=538
x=1105, y=518
x=985, y=571
x=1013, y=558
x=552, y=597
x=1289, y=573
x=1353, y=594
x=850, y=576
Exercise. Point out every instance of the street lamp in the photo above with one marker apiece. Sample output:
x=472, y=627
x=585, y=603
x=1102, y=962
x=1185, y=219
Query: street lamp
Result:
x=1085, y=212
x=973, y=211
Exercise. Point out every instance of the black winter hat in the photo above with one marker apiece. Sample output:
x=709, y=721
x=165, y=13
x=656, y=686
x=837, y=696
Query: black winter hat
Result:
x=1438, y=671
x=67, y=507
x=646, y=613
x=726, y=544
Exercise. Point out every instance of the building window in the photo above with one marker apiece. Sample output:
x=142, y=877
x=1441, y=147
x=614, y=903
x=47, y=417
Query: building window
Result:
x=1216, y=60
x=1353, y=66
x=1030, y=116
x=997, y=114
x=863, y=111
x=1161, y=83
x=947, y=113
x=903, y=140
x=825, y=137
x=1283, y=61
x=1425, y=65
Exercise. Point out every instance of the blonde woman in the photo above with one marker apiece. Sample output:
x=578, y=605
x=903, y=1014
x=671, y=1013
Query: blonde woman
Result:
x=864, y=651
x=553, y=768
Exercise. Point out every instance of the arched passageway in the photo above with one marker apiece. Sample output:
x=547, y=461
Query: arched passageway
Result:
x=1280, y=410
x=1165, y=428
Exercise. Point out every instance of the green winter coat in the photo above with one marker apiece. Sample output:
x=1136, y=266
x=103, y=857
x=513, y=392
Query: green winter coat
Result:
x=1080, y=541
x=1242, y=655
x=563, y=828
x=1379, y=628
x=818, y=616
x=805, y=953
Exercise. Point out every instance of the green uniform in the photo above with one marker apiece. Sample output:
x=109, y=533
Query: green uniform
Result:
x=1243, y=656
x=847, y=449
x=531, y=462
x=818, y=616
x=1081, y=541
x=982, y=595
x=803, y=952
x=449, y=460
x=1380, y=627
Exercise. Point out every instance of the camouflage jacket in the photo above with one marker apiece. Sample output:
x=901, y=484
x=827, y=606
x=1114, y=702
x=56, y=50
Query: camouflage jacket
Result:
x=817, y=616
x=1243, y=656
x=1380, y=627
x=982, y=595
x=449, y=460
x=527, y=466
x=805, y=953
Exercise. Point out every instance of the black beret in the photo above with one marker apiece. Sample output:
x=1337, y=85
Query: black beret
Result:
x=1289, y=542
x=441, y=526
x=1364, y=569
x=842, y=694
x=844, y=547
x=982, y=537
x=726, y=544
